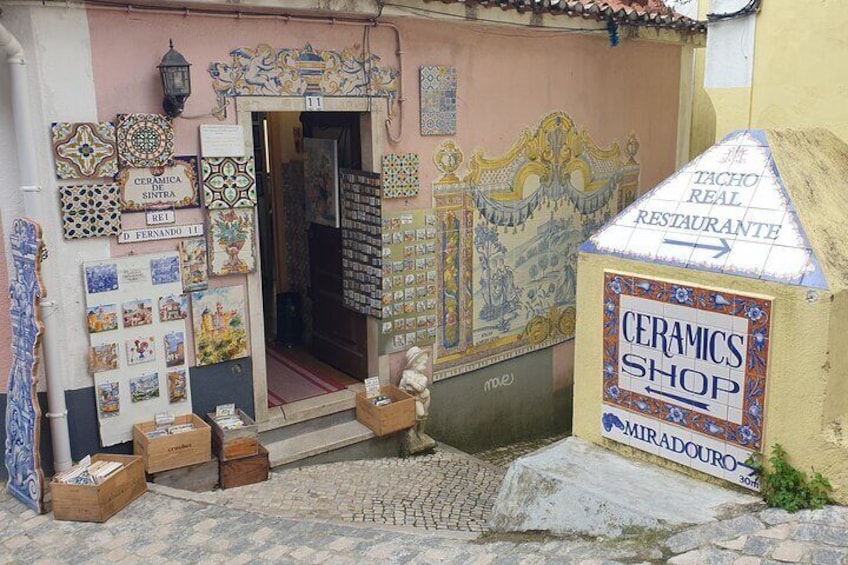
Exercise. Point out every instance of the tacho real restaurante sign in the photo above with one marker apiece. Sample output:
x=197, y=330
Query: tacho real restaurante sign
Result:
x=685, y=371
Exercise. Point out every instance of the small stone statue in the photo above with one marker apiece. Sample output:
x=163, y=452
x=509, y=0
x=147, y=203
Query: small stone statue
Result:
x=414, y=381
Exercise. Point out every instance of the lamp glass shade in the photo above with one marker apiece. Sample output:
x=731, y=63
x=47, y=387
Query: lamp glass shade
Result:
x=176, y=80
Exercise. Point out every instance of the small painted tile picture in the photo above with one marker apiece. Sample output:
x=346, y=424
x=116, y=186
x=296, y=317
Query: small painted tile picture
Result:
x=165, y=270
x=101, y=278
x=84, y=150
x=102, y=358
x=400, y=175
x=231, y=241
x=173, y=307
x=144, y=387
x=177, y=386
x=141, y=350
x=109, y=399
x=174, y=349
x=194, y=264
x=438, y=100
x=90, y=210
x=220, y=330
x=321, y=180
x=102, y=318
x=137, y=312
x=144, y=140
x=228, y=182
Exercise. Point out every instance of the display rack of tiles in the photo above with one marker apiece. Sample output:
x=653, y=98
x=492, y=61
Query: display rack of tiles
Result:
x=361, y=246
x=400, y=175
x=685, y=373
x=438, y=100
x=409, y=280
x=144, y=140
x=84, y=150
x=91, y=210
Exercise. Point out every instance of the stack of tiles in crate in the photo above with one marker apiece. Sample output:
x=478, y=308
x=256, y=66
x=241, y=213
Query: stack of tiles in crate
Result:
x=235, y=440
x=187, y=443
x=97, y=502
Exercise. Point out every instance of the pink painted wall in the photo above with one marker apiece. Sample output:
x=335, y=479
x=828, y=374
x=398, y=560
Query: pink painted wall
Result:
x=5, y=321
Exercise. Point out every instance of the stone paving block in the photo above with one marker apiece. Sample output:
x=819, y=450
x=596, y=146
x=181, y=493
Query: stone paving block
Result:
x=759, y=546
x=827, y=556
x=789, y=551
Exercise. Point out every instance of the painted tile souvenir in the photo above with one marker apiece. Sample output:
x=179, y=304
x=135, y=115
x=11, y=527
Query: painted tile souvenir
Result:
x=174, y=349
x=177, y=386
x=90, y=210
x=101, y=278
x=231, y=241
x=438, y=100
x=194, y=265
x=685, y=373
x=84, y=150
x=727, y=211
x=144, y=140
x=320, y=175
x=219, y=317
x=103, y=357
x=172, y=186
x=137, y=312
x=102, y=318
x=400, y=175
x=144, y=387
x=109, y=399
x=173, y=307
x=165, y=270
x=228, y=182
x=23, y=413
x=141, y=350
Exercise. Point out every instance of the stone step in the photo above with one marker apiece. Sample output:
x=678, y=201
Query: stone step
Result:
x=309, y=444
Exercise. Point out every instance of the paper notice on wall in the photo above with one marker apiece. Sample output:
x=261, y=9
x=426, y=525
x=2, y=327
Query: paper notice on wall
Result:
x=221, y=140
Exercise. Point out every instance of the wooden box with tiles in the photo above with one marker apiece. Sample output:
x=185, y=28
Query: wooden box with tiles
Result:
x=235, y=443
x=244, y=471
x=98, y=503
x=390, y=418
x=173, y=451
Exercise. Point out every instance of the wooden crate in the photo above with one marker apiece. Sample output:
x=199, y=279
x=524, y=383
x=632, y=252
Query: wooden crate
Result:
x=388, y=419
x=202, y=477
x=173, y=451
x=244, y=471
x=98, y=503
x=235, y=444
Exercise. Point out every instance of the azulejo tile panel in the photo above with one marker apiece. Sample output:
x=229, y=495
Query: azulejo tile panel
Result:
x=84, y=150
x=685, y=372
x=231, y=241
x=229, y=182
x=438, y=100
x=145, y=140
x=23, y=414
x=91, y=210
x=400, y=175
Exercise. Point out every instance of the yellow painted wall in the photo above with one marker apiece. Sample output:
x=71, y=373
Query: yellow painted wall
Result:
x=798, y=403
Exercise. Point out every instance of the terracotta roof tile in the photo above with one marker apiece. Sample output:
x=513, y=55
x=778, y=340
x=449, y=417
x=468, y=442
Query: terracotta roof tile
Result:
x=632, y=12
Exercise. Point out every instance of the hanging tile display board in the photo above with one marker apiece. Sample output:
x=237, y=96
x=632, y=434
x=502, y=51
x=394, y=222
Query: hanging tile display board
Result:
x=438, y=100
x=231, y=241
x=229, y=182
x=84, y=150
x=135, y=315
x=144, y=140
x=361, y=246
x=90, y=210
x=400, y=175
x=409, y=280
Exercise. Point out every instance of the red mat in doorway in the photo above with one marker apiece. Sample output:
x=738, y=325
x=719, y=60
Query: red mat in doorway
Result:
x=289, y=381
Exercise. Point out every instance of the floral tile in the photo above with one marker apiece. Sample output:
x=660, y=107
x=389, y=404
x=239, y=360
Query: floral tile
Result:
x=400, y=175
x=229, y=182
x=91, y=210
x=145, y=140
x=231, y=241
x=84, y=150
x=438, y=100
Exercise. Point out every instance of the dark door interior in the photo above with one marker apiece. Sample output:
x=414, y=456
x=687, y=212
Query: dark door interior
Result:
x=339, y=335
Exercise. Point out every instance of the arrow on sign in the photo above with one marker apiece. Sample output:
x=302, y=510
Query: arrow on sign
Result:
x=701, y=405
x=721, y=249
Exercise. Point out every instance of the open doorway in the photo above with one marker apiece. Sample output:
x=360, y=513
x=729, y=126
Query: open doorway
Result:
x=314, y=344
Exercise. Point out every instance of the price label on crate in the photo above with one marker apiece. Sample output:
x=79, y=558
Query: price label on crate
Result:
x=372, y=387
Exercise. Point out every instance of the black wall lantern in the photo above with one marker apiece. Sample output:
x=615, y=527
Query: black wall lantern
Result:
x=176, y=81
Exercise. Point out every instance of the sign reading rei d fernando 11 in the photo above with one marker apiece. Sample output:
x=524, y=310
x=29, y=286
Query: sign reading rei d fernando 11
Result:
x=685, y=371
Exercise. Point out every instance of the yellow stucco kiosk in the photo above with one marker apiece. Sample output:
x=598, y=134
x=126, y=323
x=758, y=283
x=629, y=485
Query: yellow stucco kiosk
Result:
x=712, y=313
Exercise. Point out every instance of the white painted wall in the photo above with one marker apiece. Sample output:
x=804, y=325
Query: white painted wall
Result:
x=57, y=47
x=730, y=48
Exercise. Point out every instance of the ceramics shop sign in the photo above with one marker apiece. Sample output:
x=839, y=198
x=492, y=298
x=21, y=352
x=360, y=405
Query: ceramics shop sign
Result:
x=685, y=372
x=154, y=233
x=172, y=187
x=221, y=140
x=726, y=211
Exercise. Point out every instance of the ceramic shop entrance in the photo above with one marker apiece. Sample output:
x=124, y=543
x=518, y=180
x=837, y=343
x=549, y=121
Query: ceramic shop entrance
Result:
x=315, y=351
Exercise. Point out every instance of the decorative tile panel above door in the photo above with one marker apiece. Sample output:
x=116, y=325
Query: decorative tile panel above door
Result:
x=84, y=150
x=145, y=140
x=229, y=182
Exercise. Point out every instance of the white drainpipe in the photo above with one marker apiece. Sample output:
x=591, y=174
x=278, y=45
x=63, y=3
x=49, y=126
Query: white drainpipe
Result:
x=58, y=412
